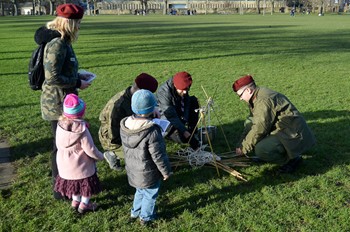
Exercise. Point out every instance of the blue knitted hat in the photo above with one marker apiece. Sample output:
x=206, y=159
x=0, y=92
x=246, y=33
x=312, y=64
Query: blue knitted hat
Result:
x=143, y=102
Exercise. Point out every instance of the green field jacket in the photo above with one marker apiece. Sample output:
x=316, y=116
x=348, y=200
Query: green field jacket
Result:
x=117, y=108
x=61, y=77
x=273, y=114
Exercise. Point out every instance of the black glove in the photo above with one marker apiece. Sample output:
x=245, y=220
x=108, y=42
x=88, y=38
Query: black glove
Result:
x=194, y=143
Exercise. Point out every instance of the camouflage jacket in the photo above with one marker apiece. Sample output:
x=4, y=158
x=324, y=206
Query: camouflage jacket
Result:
x=61, y=73
x=117, y=108
x=273, y=114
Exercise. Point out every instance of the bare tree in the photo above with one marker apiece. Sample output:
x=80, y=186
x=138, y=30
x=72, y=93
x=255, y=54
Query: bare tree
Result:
x=144, y=6
x=15, y=8
x=51, y=5
x=2, y=9
x=165, y=10
x=320, y=7
x=324, y=5
x=91, y=6
x=258, y=6
x=33, y=7
x=341, y=6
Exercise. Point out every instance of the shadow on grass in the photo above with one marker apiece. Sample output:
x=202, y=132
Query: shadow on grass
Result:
x=116, y=188
x=15, y=106
x=331, y=150
x=31, y=149
x=209, y=38
x=220, y=39
x=329, y=126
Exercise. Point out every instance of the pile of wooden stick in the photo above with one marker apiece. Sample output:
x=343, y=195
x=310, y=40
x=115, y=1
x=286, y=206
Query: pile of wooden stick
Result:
x=226, y=161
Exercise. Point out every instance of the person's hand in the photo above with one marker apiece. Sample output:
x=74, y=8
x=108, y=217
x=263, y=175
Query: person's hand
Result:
x=156, y=113
x=239, y=151
x=187, y=134
x=86, y=76
x=167, y=176
x=194, y=144
x=84, y=84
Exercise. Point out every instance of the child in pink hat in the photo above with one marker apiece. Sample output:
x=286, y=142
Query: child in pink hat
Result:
x=76, y=156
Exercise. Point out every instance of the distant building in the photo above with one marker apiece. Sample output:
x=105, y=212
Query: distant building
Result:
x=182, y=6
x=6, y=8
x=170, y=7
x=27, y=8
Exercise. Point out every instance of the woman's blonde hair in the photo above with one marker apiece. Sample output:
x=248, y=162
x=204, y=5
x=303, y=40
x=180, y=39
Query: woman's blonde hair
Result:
x=69, y=28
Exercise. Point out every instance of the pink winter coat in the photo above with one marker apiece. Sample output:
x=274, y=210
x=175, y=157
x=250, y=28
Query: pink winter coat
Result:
x=76, y=151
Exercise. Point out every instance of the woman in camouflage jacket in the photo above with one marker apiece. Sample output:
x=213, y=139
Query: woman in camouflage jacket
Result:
x=60, y=66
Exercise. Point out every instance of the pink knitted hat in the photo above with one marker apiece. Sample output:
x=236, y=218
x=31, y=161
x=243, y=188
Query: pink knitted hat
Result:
x=73, y=106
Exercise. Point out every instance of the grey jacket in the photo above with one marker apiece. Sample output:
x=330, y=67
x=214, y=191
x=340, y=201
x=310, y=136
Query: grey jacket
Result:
x=146, y=161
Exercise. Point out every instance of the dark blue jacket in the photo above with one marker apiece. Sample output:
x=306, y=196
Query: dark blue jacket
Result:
x=169, y=103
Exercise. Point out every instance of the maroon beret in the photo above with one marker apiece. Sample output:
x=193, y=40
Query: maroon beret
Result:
x=146, y=81
x=70, y=11
x=182, y=80
x=243, y=81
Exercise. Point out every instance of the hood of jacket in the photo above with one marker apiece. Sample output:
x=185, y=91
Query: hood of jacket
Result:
x=133, y=131
x=72, y=131
x=45, y=35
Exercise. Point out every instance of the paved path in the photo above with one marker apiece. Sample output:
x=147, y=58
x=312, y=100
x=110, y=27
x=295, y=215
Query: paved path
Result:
x=7, y=170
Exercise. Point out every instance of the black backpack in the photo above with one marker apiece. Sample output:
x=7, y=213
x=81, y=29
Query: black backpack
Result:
x=36, y=75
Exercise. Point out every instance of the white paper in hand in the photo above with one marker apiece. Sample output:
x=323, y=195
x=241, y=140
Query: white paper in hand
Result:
x=163, y=123
x=87, y=76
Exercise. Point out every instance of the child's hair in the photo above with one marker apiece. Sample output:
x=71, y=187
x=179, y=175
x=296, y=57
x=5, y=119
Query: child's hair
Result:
x=65, y=118
x=145, y=115
x=73, y=107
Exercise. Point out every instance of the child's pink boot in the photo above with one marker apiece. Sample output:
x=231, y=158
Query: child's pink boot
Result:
x=83, y=208
x=75, y=204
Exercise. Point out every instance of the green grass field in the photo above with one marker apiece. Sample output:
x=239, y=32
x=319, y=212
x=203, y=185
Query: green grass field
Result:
x=305, y=57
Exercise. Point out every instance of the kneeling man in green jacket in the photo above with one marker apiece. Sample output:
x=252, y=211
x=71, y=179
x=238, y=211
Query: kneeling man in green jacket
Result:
x=275, y=130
